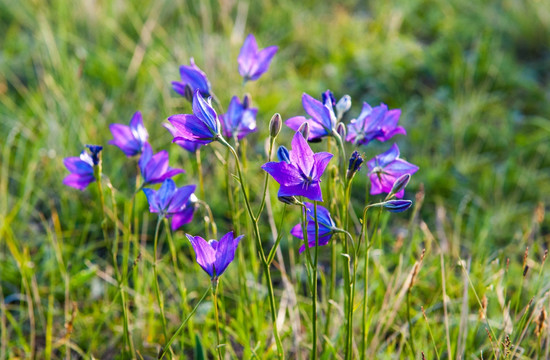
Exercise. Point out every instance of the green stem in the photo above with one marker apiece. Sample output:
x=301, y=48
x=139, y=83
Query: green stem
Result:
x=215, y=297
x=314, y=296
x=155, y=271
x=273, y=250
x=167, y=346
x=266, y=178
x=199, y=173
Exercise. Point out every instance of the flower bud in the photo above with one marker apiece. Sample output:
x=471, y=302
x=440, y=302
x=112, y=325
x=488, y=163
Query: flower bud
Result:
x=290, y=200
x=397, y=206
x=188, y=93
x=94, y=152
x=343, y=105
x=246, y=101
x=304, y=130
x=400, y=184
x=283, y=154
x=341, y=129
x=355, y=163
x=275, y=125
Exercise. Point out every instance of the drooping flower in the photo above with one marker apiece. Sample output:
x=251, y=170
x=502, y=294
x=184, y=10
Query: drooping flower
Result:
x=202, y=127
x=130, y=139
x=253, y=62
x=190, y=146
x=168, y=199
x=240, y=119
x=81, y=168
x=385, y=169
x=326, y=226
x=192, y=77
x=301, y=174
x=323, y=119
x=214, y=256
x=374, y=123
x=397, y=206
x=154, y=168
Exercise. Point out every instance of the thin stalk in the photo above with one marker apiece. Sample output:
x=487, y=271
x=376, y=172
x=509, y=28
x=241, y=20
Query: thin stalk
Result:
x=314, y=296
x=266, y=178
x=214, y=288
x=182, y=325
x=199, y=173
x=273, y=250
x=155, y=271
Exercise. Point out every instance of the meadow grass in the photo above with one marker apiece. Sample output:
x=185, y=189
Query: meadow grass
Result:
x=472, y=79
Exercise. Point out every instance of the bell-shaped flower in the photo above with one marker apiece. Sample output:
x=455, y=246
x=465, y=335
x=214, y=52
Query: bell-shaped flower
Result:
x=185, y=215
x=240, y=119
x=190, y=146
x=81, y=168
x=202, y=127
x=301, y=174
x=214, y=256
x=385, y=169
x=374, y=123
x=154, y=168
x=168, y=199
x=326, y=226
x=193, y=78
x=323, y=119
x=130, y=139
x=253, y=62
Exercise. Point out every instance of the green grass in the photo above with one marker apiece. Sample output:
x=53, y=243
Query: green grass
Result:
x=472, y=79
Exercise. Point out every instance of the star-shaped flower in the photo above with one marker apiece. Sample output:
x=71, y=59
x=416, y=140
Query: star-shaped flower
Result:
x=301, y=174
x=240, y=119
x=323, y=119
x=193, y=78
x=385, y=169
x=81, y=168
x=214, y=256
x=326, y=226
x=374, y=123
x=154, y=168
x=130, y=139
x=253, y=62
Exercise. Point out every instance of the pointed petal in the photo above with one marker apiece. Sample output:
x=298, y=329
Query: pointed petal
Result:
x=319, y=112
x=205, y=254
x=225, y=253
x=283, y=173
x=301, y=154
x=204, y=111
x=321, y=161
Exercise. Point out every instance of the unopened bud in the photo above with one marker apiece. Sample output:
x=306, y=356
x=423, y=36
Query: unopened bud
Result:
x=397, y=206
x=343, y=105
x=275, y=125
x=94, y=152
x=188, y=93
x=290, y=200
x=304, y=130
x=246, y=101
x=283, y=154
x=341, y=129
x=400, y=184
x=355, y=163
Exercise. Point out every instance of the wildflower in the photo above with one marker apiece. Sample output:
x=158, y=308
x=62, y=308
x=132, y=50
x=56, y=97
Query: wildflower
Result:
x=253, y=63
x=301, y=176
x=385, y=169
x=397, y=206
x=374, y=123
x=82, y=168
x=240, y=119
x=190, y=146
x=342, y=106
x=355, y=164
x=400, y=184
x=275, y=125
x=202, y=127
x=326, y=226
x=154, y=168
x=168, y=199
x=193, y=78
x=185, y=215
x=323, y=119
x=130, y=139
x=214, y=256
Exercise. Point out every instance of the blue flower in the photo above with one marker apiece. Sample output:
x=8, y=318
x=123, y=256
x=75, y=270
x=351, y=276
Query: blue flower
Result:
x=326, y=226
x=252, y=62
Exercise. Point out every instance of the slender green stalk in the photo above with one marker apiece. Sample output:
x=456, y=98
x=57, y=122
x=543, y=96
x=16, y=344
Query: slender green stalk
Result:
x=167, y=346
x=155, y=271
x=314, y=296
x=266, y=178
x=214, y=288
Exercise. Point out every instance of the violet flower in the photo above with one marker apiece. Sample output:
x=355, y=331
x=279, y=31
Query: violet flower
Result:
x=397, y=206
x=202, y=127
x=385, y=169
x=323, y=119
x=190, y=146
x=240, y=119
x=130, y=139
x=168, y=199
x=253, y=63
x=301, y=174
x=81, y=168
x=374, y=123
x=193, y=78
x=326, y=226
x=214, y=256
x=154, y=168
x=185, y=215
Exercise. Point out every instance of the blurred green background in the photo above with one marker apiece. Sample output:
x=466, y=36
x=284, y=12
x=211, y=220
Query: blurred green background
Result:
x=472, y=80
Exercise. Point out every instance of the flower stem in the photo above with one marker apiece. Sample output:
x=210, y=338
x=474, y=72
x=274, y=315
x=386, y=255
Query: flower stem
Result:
x=215, y=297
x=155, y=271
x=314, y=296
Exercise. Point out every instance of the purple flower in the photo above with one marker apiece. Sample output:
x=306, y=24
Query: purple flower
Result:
x=253, y=63
x=302, y=175
x=82, y=168
x=214, y=256
x=374, y=123
x=185, y=215
x=192, y=77
x=240, y=119
x=326, y=227
x=168, y=199
x=397, y=206
x=190, y=146
x=202, y=127
x=130, y=139
x=385, y=169
x=323, y=119
x=154, y=168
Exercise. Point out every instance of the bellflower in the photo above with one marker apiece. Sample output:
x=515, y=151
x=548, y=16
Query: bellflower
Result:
x=240, y=119
x=397, y=206
x=190, y=146
x=192, y=77
x=81, y=168
x=168, y=199
x=301, y=174
x=130, y=139
x=202, y=127
x=185, y=215
x=323, y=119
x=253, y=62
x=326, y=226
x=385, y=169
x=374, y=123
x=154, y=168
x=214, y=256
